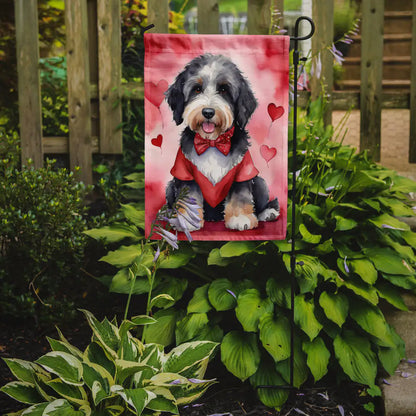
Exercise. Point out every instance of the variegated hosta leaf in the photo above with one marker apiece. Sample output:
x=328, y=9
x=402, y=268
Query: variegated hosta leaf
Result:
x=183, y=389
x=35, y=410
x=136, y=399
x=73, y=394
x=99, y=381
x=153, y=356
x=139, y=320
x=57, y=345
x=164, y=402
x=64, y=365
x=61, y=407
x=105, y=332
x=25, y=370
x=97, y=355
x=190, y=359
x=22, y=391
x=130, y=349
x=128, y=368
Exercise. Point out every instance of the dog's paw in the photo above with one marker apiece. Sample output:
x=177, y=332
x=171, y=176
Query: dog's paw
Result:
x=269, y=214
x=242, y=222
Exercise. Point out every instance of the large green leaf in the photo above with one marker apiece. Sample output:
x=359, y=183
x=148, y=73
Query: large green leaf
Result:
x=133, y=214
x=237, y=248
x=163, y=331
x=397, y=207
x=300, y=368
x=318, y=357
x=388, y=222
x=315, y=213
x=240, y=354
x=371, y=319
x=266, y=375
x=361, y=289
x=365, y=269
x=307, y=270
x=356, y=357
x=308, y=236
x=190, y=326
x=22, y=391
x=122, y=282
x=364, y=181
x=115, y=232
x=335, y=306
x=220, y=295
x=391, y=357
x=176, y=259
x=199, y=302
x=64, y=365
x=275, y=336
x=344, y=224
x=405, y=282
x=305, y=316
x=279, y=292
x=215, y=259
x=387, y=261
x=250, y=308
x=171, y=286
x=392, y=295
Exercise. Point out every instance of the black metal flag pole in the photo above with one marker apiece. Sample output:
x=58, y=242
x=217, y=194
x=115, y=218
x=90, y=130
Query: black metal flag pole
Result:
x=296, y=38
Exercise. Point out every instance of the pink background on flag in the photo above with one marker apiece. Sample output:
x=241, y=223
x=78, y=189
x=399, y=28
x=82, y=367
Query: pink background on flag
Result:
x=264, y=62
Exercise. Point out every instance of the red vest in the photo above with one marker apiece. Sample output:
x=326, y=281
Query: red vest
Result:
x=185, y=170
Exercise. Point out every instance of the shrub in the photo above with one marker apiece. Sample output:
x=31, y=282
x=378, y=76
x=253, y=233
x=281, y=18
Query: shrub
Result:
x=115, y=374
x=41, y=212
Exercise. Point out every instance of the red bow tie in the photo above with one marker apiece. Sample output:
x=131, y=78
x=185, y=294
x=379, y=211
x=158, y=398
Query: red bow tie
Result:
x=222, y=143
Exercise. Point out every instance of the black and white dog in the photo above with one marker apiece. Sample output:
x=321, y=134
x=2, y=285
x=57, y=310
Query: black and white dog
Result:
x=215, y=102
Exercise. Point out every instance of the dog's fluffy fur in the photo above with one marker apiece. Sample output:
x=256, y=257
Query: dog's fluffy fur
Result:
x=210, y=96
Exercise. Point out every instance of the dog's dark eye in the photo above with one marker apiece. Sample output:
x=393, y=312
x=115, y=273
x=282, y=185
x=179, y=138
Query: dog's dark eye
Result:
x=197, y=89
x=222, y=89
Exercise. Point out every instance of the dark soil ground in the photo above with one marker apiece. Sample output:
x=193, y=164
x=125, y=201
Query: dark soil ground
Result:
x=228, y=398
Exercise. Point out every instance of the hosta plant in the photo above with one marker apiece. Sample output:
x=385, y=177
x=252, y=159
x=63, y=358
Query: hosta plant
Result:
x=115, y=375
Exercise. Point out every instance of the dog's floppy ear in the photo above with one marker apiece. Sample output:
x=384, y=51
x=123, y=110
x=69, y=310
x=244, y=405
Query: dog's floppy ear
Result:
x=246, y=104
x=176, y=99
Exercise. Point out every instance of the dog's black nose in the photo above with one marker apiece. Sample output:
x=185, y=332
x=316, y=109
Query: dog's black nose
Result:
x=208, y=112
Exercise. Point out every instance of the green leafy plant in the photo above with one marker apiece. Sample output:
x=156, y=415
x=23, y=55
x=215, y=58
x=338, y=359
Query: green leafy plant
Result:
x=42, y=219
x=353, y=252
x=116, y=373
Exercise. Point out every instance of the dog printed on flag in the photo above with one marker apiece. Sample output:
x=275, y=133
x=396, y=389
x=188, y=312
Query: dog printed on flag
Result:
x=216, y=121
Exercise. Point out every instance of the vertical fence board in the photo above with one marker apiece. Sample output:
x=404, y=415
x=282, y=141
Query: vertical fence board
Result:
x=158, y=14
x=109, y=71
x=79, y=106
x=323, y=16
x=93, y=58
x=208, y=16
x=258, y=17
x=30, y=108
x=412, y=145
x=371, y=75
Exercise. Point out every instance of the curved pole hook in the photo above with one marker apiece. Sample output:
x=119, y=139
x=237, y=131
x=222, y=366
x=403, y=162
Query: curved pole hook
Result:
x=296, y=38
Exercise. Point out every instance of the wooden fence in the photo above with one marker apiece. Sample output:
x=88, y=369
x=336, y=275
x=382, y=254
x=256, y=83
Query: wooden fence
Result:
x=94, y=73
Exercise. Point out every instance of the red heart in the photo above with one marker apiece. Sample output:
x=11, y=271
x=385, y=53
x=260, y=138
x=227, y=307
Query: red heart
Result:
x=274, y=111
x=155, y=93
x=268, y=153
x=157, y=141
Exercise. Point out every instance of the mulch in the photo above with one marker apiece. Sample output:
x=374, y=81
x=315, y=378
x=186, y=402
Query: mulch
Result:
x=228, y=398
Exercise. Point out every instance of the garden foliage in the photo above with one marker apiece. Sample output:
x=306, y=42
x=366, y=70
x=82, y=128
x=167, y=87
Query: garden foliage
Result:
x=41, y=225
x=353, y=253
x=116, y=373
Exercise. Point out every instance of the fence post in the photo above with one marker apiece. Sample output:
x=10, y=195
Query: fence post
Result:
x=371, y=75
x=30, y=107
x=323, y=16
x=79, y=106
x=158, y=14
x=258, y=17
x=109, y=72
x=208, y=16
x=412, y=145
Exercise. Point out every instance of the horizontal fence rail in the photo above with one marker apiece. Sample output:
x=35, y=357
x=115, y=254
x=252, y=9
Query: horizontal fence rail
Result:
x=94, y=73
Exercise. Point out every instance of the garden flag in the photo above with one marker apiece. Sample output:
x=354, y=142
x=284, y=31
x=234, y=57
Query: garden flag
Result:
x=216, y=121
